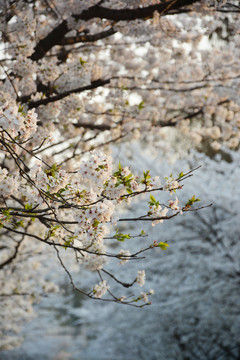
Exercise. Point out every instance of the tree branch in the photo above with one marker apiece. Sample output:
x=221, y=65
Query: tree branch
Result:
x=14, y=255
x=93, y=85
x=87, y=37
x=56, y=35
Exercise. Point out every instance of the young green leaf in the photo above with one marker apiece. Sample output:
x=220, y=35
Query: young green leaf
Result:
x=140, y=106
x=191, y=201
x=181, y=175
x=163, y=245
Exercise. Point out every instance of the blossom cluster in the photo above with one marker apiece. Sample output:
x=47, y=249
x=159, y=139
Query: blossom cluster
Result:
x=97, y=169
x=100, y=289
x=8, y=184
x=15, y=122
x=77, y=208
x=141, y=277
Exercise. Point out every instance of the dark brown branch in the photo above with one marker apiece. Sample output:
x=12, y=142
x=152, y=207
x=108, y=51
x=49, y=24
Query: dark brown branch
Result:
x=132, y=14
x=101, y=127
x=117, y=256
x=14, y=255
x=87, y=37
x=91, y=294
x=56, y=35
x=93, y=85
x=147, y=218
x=15, y=294
x=49, y=41
x=127, y=285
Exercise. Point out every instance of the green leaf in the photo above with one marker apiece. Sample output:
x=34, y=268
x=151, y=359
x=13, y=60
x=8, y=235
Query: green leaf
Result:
x=28, y=207
x=152, y=198
x=163, y=245
x=129, y=190
x=95, y=223
x=21, y=110
x=52, y=171
x=153, y=201
x=191, y=201
x=51, y=231
x=6, y=213
x=120, y=236
x=82, y=62
x=140, y=106
x=18, y=223
x=181, y=175
x=146, y=174
x=146, y=178
x=67, y=243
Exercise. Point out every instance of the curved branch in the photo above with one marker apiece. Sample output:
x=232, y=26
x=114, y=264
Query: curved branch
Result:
x=127, y=285
x=13, y=256
x=56, y=35
x=128, y=14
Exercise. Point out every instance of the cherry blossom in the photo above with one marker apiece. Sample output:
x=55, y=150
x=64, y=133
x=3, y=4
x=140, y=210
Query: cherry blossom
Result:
x=77, y=77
